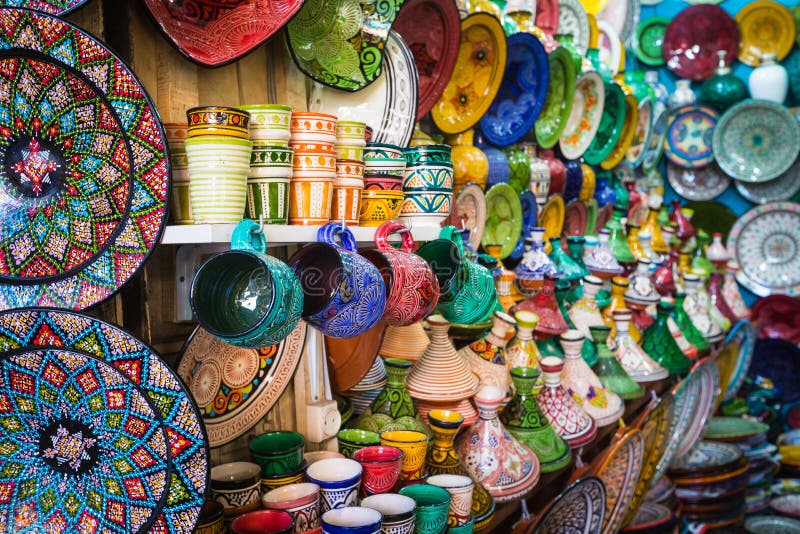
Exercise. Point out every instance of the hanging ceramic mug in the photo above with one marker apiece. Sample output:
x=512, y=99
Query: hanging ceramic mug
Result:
x=344, y=294
x=244, y=296
x=412, y=289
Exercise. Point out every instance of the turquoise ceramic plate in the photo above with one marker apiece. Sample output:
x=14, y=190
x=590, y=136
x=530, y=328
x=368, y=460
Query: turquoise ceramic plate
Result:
x=689, y=133
x=610, y=126
x=655, y=147
x=648, y=39
x=558, y=103
x=503, y=219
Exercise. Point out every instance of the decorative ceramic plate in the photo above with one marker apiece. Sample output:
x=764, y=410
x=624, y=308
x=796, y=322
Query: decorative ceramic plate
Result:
x=686, y=394
x=702, y=183
x=551, y=218
x=432, y=30
x=651, y=517
x=611, y=124
x=655, y=147
x=85, y=179
x=733, y=428
x=619, y=471
x=522, y=94
x=756, y=141
x=579, y=508
x=476, y=77
x=388, y=106
x=503, y=219
x=53, y=7
x=214, y=33
x=648, y=40
x=626, y=136
x=572, y=20
x=712, y=216
x=574, y=219
x=585, y=116
x=350, y=359
x=782, y=188
x=610, y=46
x=594, y=7
x=108, y=355
x=642, y=134
x=786, y=505
x=693, y=38
x=547, y=16
x=708, y=379
x=708, y=457
x=591, y=217
x=689, y=133
x=623, y=16
x=764, y=241
x=340, y=43
x=743, y=337
x=777, y=317
x=770, y=524
x=530, y=219
x=471, y=210
x=766, y=28
x=560, y=92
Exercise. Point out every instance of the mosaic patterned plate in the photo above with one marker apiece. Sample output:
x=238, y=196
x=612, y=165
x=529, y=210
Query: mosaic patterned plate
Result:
x=579, y=508
x=655, y=147
x=708, y=379
x=93, y=343
x=610, y=46
x=642, y=134
x=786, y=505
x=471, y=212
x=733, y=428
x=611, y=125
x=213, y=33
x=703, y=183
x=689, y=133
x=652, y=517
x=86, y=177
x=764, y=241
x=432, y=30
x=340, y=43
x=547, y=16
x=572, y=20
x=530, y=219
x=388, y=106
x=619, y=471
x=522, y=93
x=743, y=338
x=503, y=219
x=476, y=77
x=693, y=38
x=766, y=28
x=708, y=456
x=786, y=186
x=770, y=524
x=53, y=7
x=585, y=116
x=648, y=40
x=756, y=141
x=560, y=92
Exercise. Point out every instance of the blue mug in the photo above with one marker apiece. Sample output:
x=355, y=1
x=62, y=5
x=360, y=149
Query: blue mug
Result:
x=351, y=520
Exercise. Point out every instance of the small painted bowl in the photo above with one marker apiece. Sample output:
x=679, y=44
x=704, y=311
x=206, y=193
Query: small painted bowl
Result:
x=382, y=182
x=263, y=522
x=378, y=207
x=351, y=133
x=394, y=507
x=311, y=126
x=279, y=453
x=211, y=520
x=217, y=120
x=382, y=467
x=353, y=439
x=352, y=520
x=236, y=487
x=338, y=479
x=300, y=500
x=384, y=151
x=428, y=155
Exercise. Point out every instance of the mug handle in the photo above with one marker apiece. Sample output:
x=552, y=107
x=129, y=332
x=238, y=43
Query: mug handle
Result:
x=327, y=234
x=394, y=227
x=451, y=233
x=249, y=235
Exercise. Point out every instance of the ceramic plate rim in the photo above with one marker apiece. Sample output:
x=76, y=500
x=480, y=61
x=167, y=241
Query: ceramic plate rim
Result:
x=562, y=57
x=597, y=116
x=682, y=113
x=507, y=192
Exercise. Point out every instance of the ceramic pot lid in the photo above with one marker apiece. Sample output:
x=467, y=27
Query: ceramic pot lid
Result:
x=503, y=218
x=702, y=183
x=53, y=7
x=86, y=177
x=768, y=524
x=689, y=133
x=766, y=28
x=693, y=37
x=560, y=92
x=649, y=39
x=117, y=361
x=579, y=508
x=585, y=115
x=784, y=187
x=619, y=471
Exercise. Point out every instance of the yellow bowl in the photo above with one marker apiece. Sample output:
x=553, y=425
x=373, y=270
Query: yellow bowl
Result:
x=415, y=448
x=217, y=120
x=378, y=206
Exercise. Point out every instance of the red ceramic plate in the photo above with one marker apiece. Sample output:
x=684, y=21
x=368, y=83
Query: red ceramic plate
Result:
x=777, y=316
x=432, y=30
x=693, y=37
x=215, y=32
x=574, y=219
x=547, y=16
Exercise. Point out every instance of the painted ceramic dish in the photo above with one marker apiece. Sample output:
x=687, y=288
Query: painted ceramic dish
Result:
x=786, y=505
x=648, y=41
x=471, y=212
x=103, y=364
x=712, y=216
x=476, y=77
x=652, y=517
x=530, y=219
x=216, y=32
x=629, y=127
x=579, y=508
x=547, y=16
x=733, y=429
x=610, y=46
x=764, y=241
x=708, y=457
x=522, y=93
x=766, y=28
x=388, y=106
x=585, y=116
x=572, y=20
x=619, y=471
x=341, y=43
x=784, y=187
x=708, y=380
x=769, y=524
x=551, y=218
x=693, y=38
x=85, y=178
x=685, y=395
x=611, y=125
x=642, y=134
x=702, y=183
x=623, y=16
x=591, y=217
x=743, y=338
x=503, y=219
x=689, y=134
x=53, y=7
x=432, y=30
x=655, y=147
x=575, y=219
x=560, y=92
x=756, y=141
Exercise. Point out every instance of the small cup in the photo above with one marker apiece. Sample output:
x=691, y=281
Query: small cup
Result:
x=310, y=198
x=428, y=155
x=274, y=482
x=269, y=123
x=218, y=167
x=279, y=453
x=346, y=203
x=433, y=506
x=353, y=439
x=218, y=120
x=212, y=519
x=414, y=446
x=300, y=500
x=382, y=466
x=352, y=520
x=263, y=522
x=271, y=161
x=383, y=182
x=460, y=489
x=236, y=487
x=426, y=209
x=351, y=133
x=338, y=479
x=379, y=206
x=313, y=126
x=397, y=510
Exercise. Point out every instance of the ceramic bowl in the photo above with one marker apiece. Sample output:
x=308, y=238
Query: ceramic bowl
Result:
x=428, y=155
x=236, y=486
x=271, y=161
x=348, y=169
x=278, y=453
x=351, y=133
x=300, y=500
x=381, y=466
x=378, y=207
x=352, y=439
x=269, y=123
x=395, y=508
x=310, y=126
x=263, y=522
x=384, y=151
x=218, y=120
x=374, y=181
x=296, y=477
x=338, y=479
x=212, y=519
x=428, y=178
x=426, y=209
x=352, y=520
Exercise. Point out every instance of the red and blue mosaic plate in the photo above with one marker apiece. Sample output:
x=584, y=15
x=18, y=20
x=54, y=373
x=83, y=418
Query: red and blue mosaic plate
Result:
x=54, y=7
x=84, y=172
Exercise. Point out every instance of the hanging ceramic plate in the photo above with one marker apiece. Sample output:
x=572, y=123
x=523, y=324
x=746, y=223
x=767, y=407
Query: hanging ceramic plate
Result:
x=350, y=359
x=572, y=20
x=623, y=16
x=628, y=130
x=733, y=429
x=655, y=147
x=236, y=387
x=619, y=470
x=81, y=375
x=708, y=379
x=712, y=216
x=522, y=93
x=476, y=77
x=560, y=92
x=579, y=508
x=214, y=33
x=742, y=338
x=703, y=183
x=782, y=188
x=547, y=16
x=644, y=130
x=388, y=106
x=575, y=219
x=53, y=7
x=693, y=38
x=551, y=218
x=610, y=46
x=766, y=28
x=689, y=134
x=471, y=212
x=686, y=394
x=530, y=219
x=764, y=241
x=85, y=180
x=611, y=125
x=648, y=40
x=503, y=218
x=584, y=117
x=591, y=217
x=756, y=141
x=432, y=30
x=594, y=7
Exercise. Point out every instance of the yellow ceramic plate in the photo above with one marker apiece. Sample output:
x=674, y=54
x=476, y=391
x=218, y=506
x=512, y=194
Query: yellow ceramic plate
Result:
x=594, y=33
x=551, y=218
x=628, y=129
x=764, y=27
x=593, y=7
x=476, y=77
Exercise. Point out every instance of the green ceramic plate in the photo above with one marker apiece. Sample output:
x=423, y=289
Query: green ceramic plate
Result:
x=591, y=217
x=713, y=217
x=503, y=219
x=733, y=428
x=558, y=104
x=611, y=126
x=648, y=40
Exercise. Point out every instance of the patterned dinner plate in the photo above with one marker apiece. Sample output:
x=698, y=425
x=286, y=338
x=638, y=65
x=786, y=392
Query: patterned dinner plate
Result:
x=573, y=20
x=575, y=219
x=619, y=470
x=786, y=186
x=648, y=40
x=103, y=425
x=551, y=218
x=476, y=77
x=766, y=27
x=765, y=242
x=686, y=394
x=629, y=128
x=708, y=380
x=388, y=106
x=503, y=218
x=579, y=508
x=530, y=219
x=733, y=428
x=642, y=134
x=708, y=456
x=743, y=337
x=558, y=105
x=85, y=179
x=53, y=7
x=585, y=116
x=689, y=134
x=610, y=46
x=611, y=125
x=655, y=146
x=548, y=16
x=703, y=183
x=693, y=37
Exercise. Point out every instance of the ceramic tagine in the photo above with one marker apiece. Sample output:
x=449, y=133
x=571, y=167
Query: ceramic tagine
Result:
x=644, y=239
x=723, y=89
x=585, y=311
x=604, y=406
x=570, y=270
x=716, y=252
x=701, y=265
x=717, y=297
x=619, y=286
x=600, y=259
x=404, y=342
x=521, y=351
x=588, y=352
x=535, y=264
x=686, y=325
x=682, y=95
x=493, y=457
x=636, y=362
x=652, y=227
x=486, y=356
x=730, y=290
x=543, y=303
x=697, y=306
x=609, y=370
x=658, y=342
x=618, y=241
x=641, y=294
x=565, y=415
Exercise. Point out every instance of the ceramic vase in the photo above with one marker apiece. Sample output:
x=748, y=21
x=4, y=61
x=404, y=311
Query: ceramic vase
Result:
x=730, y=289
x=609, y=370
x=687, y=325
x=769, y=81
x=521, y=350
x=682, y=95
x=566, y=417
x=723, y=89
x=404, y=342
x=657, y=341
x=470, y=164
x=604, y=191
x=636, y=362
x=486, y=356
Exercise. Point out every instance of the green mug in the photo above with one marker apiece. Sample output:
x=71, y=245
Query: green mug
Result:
x=433, y=506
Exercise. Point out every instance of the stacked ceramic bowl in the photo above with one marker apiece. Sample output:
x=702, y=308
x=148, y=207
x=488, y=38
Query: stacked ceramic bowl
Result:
x=180, y=204
x=347, y=190
x=270, y=163
x=367, y=390
x=314, y=168
x=427, y=185
x=218, y=151
x=383, y=183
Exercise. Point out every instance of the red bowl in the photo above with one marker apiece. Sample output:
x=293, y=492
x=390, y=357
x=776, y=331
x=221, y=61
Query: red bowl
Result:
x=263, y=522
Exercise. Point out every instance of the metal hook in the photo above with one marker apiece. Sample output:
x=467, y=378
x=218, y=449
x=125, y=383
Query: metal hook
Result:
x=344, y=223
x=260, y=228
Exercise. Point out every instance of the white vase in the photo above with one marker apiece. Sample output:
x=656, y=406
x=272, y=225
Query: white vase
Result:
x=769, y=81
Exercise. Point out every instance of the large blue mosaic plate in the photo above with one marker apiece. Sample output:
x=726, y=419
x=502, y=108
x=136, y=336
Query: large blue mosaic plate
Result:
x=54, y=7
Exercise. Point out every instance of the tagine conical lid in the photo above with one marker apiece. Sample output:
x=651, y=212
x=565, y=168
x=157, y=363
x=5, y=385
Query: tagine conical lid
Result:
x=659, y=343
x=486, y=356
x=609, y=370
x=585, y=312
x=404, y=342
x=636, y=362
x=544, y=305
x=604, y=406
x=559, y=407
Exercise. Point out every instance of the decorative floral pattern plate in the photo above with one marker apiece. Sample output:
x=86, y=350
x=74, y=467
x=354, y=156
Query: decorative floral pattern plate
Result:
x=579, y=508
x=522, y=94
x=703, y=183
x=471, y=212
x=689, y=134
x=693, y=38
x=619, y=471
x=388, y=106
x=610, y=46
x=432, y=30
x=476, y=77
x=53, y=7
x=92, y=355
x=85, y=181
x=766, y=28
x=503, y=219
x=547, y=16
x=572, y=20
x=611, y=125
x=786, y=186
x=765, y=242
x=742, y=338
x=642, y=134
x=649, y=39
x=560, y=92
x=756, y=141
x=551, y=218
x=585, y=116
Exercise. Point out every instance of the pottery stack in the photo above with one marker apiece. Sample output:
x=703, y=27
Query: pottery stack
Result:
x=349, y=183
x=384, y=166
x=314, y=168
x=180, y=204
x=427, y=185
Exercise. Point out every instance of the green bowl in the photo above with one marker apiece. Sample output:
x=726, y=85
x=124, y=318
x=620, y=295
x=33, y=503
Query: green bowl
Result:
x=278, y=453
x=353, y=439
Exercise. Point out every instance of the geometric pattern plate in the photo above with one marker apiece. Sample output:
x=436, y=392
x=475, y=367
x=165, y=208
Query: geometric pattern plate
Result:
x=100, y=345
x=85, y=174
x=685, y=394
x=54, y=7
x=708, y=386
x=703, y=183
x=236, y=387
x=619, y=472
x=579, y=508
